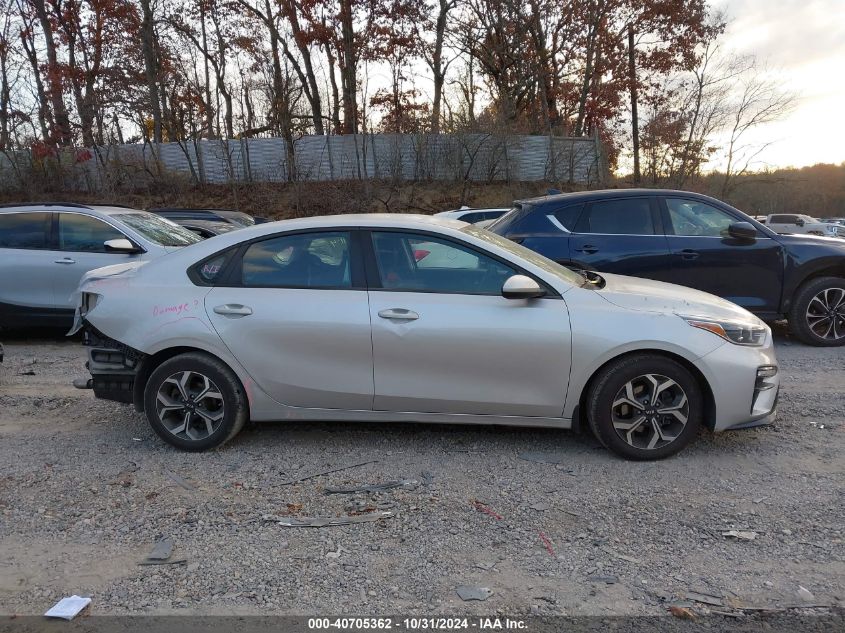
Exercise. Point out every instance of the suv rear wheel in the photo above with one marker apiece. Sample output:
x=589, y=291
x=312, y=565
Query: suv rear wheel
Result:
x=817, y=316
x=195, y=402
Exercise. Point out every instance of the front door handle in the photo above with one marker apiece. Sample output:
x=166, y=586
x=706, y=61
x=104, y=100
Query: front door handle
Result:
x=66, y=260
x=233, y=309
x=688, y=253
x=587, y=248
x=398, y=314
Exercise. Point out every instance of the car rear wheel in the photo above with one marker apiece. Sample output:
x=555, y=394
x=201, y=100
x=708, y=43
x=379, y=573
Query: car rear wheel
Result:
x=194, y=402
x=817, y=316
x=644, y=407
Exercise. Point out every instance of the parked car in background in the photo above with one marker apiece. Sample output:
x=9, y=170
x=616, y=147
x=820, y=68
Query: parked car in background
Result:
x=208, y=228
x=695, y=241
x=238, y=218
x=797, y=224
x=45, y=249
x=359, y=330
x=473, y=216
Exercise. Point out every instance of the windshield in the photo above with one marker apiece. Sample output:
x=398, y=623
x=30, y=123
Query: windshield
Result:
x=158, y=230
x=527, y=254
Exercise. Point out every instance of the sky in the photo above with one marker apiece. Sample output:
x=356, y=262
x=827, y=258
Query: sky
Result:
x=803, y=42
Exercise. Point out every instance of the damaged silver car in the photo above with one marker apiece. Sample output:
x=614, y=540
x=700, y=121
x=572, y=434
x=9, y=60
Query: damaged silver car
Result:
x=343, y=319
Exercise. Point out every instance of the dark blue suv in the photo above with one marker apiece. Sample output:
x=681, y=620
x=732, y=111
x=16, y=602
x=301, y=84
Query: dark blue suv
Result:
x=692, y=240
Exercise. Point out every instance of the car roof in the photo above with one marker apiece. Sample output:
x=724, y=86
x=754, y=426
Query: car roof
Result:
x=203, y=222
x=464, y=210
x=605, y=194
x=105, y=209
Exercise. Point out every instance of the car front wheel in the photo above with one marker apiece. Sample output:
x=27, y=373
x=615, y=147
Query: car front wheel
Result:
x=195, y=402
x=817, y=316
x=644, y=407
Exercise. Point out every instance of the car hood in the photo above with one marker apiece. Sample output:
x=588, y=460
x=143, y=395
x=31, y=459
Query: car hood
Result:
x=634, y=293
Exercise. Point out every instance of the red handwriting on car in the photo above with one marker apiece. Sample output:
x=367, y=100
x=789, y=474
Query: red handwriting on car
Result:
x=175, y=309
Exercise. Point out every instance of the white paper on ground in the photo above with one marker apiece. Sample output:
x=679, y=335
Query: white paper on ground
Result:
x=68, y=608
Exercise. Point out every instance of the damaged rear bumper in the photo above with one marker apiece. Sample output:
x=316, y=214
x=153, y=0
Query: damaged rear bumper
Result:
x=113, y=366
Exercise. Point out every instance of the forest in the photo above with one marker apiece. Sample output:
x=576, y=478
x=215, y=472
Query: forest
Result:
x=652, y=79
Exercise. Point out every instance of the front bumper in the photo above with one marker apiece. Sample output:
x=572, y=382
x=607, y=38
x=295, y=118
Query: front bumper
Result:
x=113, y=366
x=739, y=400
x=754, y=422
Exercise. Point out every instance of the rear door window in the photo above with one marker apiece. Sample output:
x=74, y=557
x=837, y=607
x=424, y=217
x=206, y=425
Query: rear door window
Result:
x=25, y=230
x=626, y=216
x=303, y=260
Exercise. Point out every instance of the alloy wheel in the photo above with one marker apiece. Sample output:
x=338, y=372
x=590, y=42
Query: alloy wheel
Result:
x=650, y=411
x=826, y=314
x=190, y=405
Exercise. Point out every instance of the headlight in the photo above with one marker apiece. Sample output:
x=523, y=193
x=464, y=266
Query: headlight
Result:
x=736, y=332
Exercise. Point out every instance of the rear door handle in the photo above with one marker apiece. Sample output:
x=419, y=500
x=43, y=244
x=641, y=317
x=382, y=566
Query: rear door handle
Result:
x=398, y=314
x=233, y=309
x=587, y=248
x=66, y=260
x=688, y=253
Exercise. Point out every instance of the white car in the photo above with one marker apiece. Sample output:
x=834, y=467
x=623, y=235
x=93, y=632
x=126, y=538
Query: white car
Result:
x=45, y=249
x=335, y=318
x=473, y=216
x=792, y=223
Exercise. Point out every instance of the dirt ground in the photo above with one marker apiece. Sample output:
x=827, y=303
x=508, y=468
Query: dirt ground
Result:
x=86, y=490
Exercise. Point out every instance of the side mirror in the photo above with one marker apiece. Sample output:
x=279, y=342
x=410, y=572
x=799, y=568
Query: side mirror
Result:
x=521, y=287
x=120, y=245
x=799, y=222
x=742, y=231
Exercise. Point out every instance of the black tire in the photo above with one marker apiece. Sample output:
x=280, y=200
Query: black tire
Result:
x=613, y=378
x=216, y=419
x=811, y=330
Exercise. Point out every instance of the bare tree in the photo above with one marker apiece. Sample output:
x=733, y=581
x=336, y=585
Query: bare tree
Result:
x=760, y=100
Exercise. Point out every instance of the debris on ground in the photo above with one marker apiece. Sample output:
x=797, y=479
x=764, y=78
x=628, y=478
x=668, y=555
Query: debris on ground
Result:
x=180, y=481
x=621, y=556
x=704, y=598
x=684, y=613
x=162, y=550
x=326, y=472
x=543, y=458
x=805, y=594
x=359, y=506
x=68, y=608
x=337, y=553
x=608, y=580
x=161, y=553
x=547, y=543
x=470, y=592
x=481, y=507
x=742, y=535
x=328, y=522
x=388, y=485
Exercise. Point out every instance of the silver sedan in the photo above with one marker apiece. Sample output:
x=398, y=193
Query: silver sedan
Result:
x=416, y=319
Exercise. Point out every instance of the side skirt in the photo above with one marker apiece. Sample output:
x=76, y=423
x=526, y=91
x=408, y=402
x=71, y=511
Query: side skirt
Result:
x=342, y=415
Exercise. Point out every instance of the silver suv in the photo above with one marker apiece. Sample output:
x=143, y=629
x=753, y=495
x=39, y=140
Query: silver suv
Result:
x=45, y=249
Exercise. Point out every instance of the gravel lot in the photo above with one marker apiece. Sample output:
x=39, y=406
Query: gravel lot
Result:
x=86, y=490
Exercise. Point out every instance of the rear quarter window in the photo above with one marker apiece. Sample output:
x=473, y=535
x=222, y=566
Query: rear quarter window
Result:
x=210, y=271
